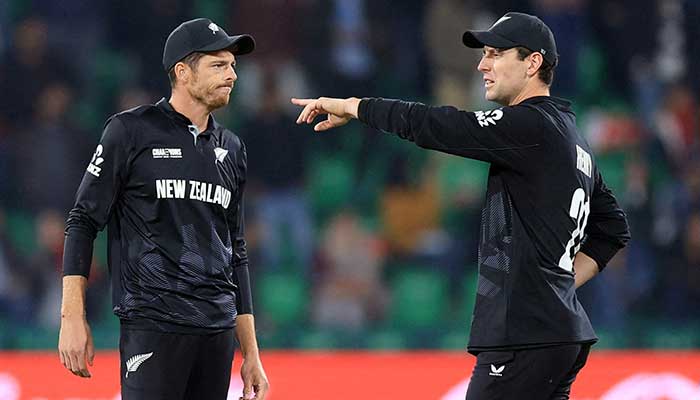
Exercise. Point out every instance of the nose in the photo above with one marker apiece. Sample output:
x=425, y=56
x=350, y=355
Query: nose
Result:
x=484, y=65
x=232, y=74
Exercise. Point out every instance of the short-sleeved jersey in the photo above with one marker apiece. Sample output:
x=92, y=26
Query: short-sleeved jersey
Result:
x=545, y=201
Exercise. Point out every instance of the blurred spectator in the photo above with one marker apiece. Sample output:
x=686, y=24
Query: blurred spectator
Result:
x=29, y=66
x=134, y=96
x=410, y=211
x=142, y=35
x=566, y=19
x=44, y=268
x=277, y=156
x=15, y=300
x=454, y=74
x=676, y=124
x=350, y=293
x=352, y=60
x=625, y=42
x=46, y=145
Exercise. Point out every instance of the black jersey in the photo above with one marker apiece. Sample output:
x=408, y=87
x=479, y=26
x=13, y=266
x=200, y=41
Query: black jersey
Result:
x=545, y=201
x=172, y=199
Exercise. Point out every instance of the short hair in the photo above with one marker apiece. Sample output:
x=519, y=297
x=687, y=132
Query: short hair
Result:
x=192, y=60
x=546, y=71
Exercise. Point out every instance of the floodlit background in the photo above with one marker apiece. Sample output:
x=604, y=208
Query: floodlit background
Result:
x=357, y=239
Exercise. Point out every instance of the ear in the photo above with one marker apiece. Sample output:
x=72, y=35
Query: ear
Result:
x=535, y=62
x=182, y=71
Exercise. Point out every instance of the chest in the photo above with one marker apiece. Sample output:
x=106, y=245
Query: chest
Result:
x=175, y=164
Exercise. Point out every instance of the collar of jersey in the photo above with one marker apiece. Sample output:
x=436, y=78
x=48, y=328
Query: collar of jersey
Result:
x=557, y=100
x=168, y=109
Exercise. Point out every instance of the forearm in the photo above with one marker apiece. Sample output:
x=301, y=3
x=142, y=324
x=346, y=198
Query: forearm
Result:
x=73, y=304
x=395, y=116
x=77, y=250
x=245, y=332
x=585, y=268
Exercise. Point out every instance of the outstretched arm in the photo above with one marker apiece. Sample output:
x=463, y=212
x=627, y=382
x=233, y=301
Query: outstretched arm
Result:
x=508, y=136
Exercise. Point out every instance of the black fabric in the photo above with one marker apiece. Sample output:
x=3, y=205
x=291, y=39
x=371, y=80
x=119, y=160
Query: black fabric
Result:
x=171, y=366
x=516, y=29
x=77, y=253
x=202, y=34
x=535, y=374
x=173, y=203
x=544, y=197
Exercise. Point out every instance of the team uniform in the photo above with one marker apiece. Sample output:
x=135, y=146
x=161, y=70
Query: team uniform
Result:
x=545, y=201
x=172, y=198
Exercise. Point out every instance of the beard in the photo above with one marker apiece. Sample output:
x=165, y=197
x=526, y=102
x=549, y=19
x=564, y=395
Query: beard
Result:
x=212, y=97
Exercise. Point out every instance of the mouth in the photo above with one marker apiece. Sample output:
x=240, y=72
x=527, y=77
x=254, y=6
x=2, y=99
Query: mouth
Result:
x=225, y=88
x=488, y=83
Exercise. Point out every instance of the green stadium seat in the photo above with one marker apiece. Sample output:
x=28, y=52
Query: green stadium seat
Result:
x=330, y=185
x=282, y=298
x=672, y=338
x=612, y=339
x=419, y=298
x=317, y=340
x=454, y=340
x=386, y=340
x=469, y=284
x=22, y=232
x=36, y=338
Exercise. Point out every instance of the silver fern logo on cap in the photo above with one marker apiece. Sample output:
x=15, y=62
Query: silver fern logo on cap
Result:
x=135, y=362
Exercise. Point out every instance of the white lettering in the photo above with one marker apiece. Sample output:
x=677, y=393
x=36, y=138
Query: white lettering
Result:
x=179, y=187
x=217, y=195
x=160, y=188
x=226, y=198
x=583, y=161
x=193, y=188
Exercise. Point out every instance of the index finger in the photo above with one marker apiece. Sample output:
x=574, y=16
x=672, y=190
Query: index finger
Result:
x=301, y=102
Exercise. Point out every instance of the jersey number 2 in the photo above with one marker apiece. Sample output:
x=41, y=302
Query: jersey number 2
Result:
x=579, y=211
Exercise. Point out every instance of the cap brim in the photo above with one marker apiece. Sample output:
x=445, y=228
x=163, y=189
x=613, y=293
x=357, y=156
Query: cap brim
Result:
x=238, y=45
x=479, y=39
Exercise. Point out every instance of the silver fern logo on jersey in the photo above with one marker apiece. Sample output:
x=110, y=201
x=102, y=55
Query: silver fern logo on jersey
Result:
x=220, y=154
x=135, y=362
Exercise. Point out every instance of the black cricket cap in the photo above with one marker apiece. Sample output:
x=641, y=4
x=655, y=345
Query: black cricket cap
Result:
x=516, y=29
x=203, y=35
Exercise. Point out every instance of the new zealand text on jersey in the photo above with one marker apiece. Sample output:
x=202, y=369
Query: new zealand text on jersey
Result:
x=202, y=191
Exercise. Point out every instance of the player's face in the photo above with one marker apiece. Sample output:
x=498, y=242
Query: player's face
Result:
x=505, y=75
x=213, y=79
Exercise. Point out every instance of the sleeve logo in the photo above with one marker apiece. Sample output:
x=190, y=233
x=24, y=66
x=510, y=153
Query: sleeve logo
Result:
x=486, y=118
x=94, y=166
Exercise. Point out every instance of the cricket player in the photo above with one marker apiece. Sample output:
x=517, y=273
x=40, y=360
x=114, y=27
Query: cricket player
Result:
x=549, y=223
x=168, y=180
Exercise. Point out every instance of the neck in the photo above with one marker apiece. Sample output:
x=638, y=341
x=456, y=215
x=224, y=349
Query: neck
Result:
x=194, y=110
x=528, y=92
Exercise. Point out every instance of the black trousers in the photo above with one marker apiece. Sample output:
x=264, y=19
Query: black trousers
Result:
x=174, y=366
x=533, y=374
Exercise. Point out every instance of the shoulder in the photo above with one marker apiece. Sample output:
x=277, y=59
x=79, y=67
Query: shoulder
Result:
x=230, y=140
x=131, y=115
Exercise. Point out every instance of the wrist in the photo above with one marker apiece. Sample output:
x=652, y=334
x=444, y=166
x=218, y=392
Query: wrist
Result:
x=352, y=106
x=72, y=315
x=252, y=354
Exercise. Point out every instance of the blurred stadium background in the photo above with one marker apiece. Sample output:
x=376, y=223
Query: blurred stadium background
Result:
x=358, y=240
